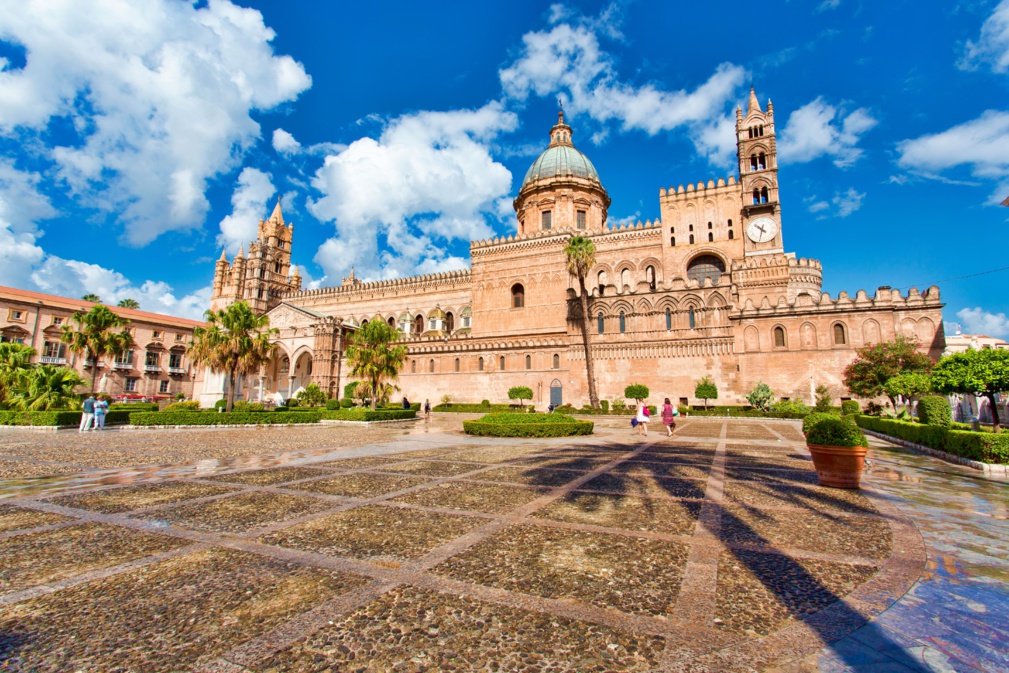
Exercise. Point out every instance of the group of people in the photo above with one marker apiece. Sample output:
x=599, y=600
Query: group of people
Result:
x=642, y=416
x=94, y=410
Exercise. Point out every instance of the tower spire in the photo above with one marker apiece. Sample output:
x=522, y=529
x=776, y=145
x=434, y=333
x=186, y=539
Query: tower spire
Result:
x=754, y=103
x=277, y=215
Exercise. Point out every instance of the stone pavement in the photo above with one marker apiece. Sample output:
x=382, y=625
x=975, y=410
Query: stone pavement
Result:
x=422, y=549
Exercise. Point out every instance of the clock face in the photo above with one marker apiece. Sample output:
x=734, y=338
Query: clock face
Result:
x=762, y=229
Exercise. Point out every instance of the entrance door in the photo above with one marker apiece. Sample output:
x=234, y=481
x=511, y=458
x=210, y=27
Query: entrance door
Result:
x=556, y=393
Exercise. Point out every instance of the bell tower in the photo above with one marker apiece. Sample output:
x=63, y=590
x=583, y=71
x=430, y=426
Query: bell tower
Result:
x=758, y=172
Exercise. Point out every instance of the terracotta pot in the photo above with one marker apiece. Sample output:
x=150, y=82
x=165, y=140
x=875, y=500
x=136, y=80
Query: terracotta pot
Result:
x=838, y=466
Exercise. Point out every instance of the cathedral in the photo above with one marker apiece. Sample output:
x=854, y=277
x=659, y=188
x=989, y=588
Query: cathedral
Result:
x=705, y=289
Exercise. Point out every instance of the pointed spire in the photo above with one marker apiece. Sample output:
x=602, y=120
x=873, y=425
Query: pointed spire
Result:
x=277, y=215
x=224, y=257
x=295, y=274
x=754, y=103
x=241, y=253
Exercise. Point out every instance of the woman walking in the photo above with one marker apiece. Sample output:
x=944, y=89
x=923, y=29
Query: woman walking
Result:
x=101, y=408
x=642, y=418
x=669, y=417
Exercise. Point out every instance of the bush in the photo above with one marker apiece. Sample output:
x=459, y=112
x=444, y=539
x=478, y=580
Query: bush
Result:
x=836, y=431
x=873, y=409
x=221, y=404
x=333, y=405
x=564, y=409
x=761, y=395
x=369, y=415
x=474, y=408
x=191, y=405
x=527, y=425
x=241, y=406
x=311, y=396
x=137, y=406
x=484, y=403
x=683, y=409
x=986, y=447
x=346, y=403
x=823, y=398
x=812, y=419
x=934, y=410
x=636, y=391
x=791, y=406
x=291, y=403
x=233, y=418
x=604, y=405
x=850, y=408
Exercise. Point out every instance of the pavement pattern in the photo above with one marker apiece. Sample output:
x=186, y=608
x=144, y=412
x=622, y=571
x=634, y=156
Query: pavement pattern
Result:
x=422, y=549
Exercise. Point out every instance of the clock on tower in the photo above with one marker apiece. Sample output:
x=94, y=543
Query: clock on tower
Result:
x=758, y=178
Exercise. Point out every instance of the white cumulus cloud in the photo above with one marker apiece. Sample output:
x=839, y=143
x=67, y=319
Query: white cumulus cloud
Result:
x=819, y=129
x=248, y=207
x=569, y=60
x=160, y=93
x=978, y=321
x=992, y=46
x=428, y=178
x=284, y=142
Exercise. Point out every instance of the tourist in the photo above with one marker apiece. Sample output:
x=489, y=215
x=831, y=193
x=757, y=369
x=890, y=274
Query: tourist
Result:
x=669, y=414
x=642, y=418
x=87, y=413
x=101, y=408
x=427, y=410
x=406, y=403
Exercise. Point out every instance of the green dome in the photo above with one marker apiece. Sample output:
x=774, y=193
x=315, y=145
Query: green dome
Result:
x=561, y=161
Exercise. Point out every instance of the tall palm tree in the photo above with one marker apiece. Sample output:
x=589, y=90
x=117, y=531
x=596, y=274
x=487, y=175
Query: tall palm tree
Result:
x=375, y=357
x=580, y=253
x=91, y=296
x=46, y=387
x=237, y=342
x=128, y=303
x=14, y=360
x=95, y=335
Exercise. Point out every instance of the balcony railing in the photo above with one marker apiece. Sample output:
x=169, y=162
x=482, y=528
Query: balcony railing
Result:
x=49, y=360
x=122, y=365
x=152, y=368
x=176, y=370
x=91, y=363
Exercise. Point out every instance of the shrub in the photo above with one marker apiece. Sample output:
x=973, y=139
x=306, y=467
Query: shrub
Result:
x=812, y=419
x=564, y=409
x=190, y=405
x=636, y=391
x=835, y=431
x=137, y=406
x=311, y=396
x=619, y=404
x=293, y=402
x=364, y=414
x=934, y=410
x=761, y=395
x=683, y=409
x=604, y=405
x=474, y=408
x=527, y=425
x=791, y=406
x=484, y=403
x=332, y=405
x=346, y=403
x=986, y=447
x=873, y=409
x=233, y=418
x=849, y=408
x=241, y=406
x=221, y=404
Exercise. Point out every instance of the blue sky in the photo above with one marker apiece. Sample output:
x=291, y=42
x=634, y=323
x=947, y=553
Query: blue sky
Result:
x=139, y=137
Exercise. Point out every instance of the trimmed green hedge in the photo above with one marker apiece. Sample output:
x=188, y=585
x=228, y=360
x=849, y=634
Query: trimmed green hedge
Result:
x=527, y=425
x=474, y=408
x=850, y=408
x=742, y=412
x=985, y=447
x=934, y=410
x=369, y=415
x=57, y=418
x=202, y=418
x=134, y=406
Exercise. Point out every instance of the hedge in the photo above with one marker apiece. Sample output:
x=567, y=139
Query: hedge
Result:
x=203, y=418
x=934, y=410
x=134, y=406
x=58, y=418
x=474, y=408
x=984, y=447
x=742, y=412
x=527, y=425
x=850, y=408
x=369, y=415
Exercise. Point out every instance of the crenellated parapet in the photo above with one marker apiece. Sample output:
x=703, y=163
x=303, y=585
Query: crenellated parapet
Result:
x=392, y=287
x=884, y=298
x=711, y=188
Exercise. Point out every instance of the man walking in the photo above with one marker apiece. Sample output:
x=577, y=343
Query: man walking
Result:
x=88, y=413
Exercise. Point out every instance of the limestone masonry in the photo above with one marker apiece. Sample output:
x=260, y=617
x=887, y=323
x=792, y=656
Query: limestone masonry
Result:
x=708, y=289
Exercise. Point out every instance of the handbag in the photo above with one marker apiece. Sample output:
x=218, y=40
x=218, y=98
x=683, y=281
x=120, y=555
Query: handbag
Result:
x=634, y=422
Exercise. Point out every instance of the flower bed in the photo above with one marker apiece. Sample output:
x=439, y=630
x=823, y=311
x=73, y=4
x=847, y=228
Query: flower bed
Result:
x=984, y=447
x=527, y=425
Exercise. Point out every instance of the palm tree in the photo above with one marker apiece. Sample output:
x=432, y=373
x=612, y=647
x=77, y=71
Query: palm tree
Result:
x=580, y=253
x=91, y=296
x=95, y=336
x=128, y=303
x=237, y=342
x=14, y=360
x=375, y=358
x=46, y=387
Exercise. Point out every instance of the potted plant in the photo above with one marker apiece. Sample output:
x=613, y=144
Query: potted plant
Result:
x=838, y=448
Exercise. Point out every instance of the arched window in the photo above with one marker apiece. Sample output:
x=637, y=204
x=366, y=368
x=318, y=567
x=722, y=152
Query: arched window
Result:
x=479, y=365
x=672, y=241
x=449, y=323
x=779, y=337
x=623, y=323
x=599, y=323
x=691, y=228
x=709, y=225
x=711, y=237
x=502, y=363
x=602, y=283
x=529, y=362
x=691, y=239
x=730, y=223
x=418, y=324
x=557, y=361
x=430, y=366
x=669, y=319
x=650, y=277
x=763, y=194
x=756, y=196
x=413, y=366
x=730, y=235
x=706, y=266
x=840, y=338
x=391, y=321
x=761, y=161
x=363, y=323
x=518, y=295
x=753, y=162
x=457, y=364
x=625, y=279
x=692, y=318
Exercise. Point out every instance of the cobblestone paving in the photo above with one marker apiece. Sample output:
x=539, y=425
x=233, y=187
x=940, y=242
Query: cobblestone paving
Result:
x=424, y=550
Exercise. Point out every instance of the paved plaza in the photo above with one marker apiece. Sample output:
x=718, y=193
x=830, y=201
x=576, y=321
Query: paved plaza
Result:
x=413, y=547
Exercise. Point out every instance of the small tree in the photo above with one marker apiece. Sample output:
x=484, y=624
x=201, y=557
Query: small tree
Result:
x=520, y=393
x=981, y=372
x=706, y=390
x=375, y=357
x=877, y=364
x=95, y=335
x=910, y=386
x=311, y=396
x=823, y=399
x=760, y=397
x=636, y=391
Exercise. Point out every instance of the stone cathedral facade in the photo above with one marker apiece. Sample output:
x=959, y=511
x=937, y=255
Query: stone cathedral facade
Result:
x=707, y=288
